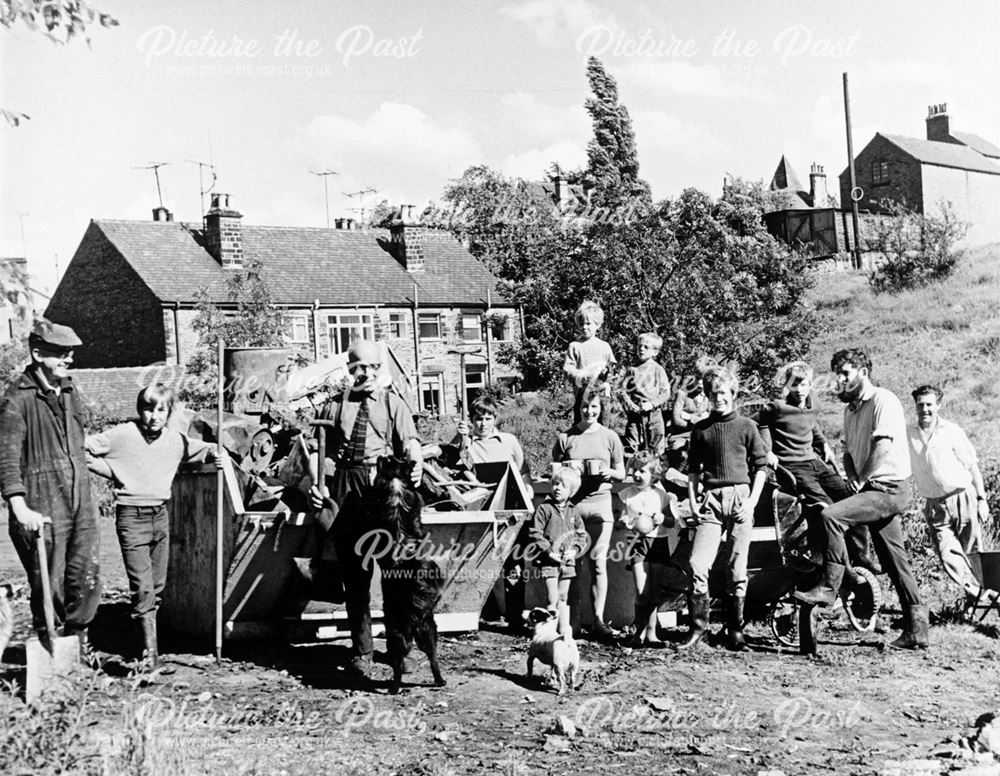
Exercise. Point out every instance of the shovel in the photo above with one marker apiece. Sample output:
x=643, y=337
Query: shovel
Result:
x=47, y=663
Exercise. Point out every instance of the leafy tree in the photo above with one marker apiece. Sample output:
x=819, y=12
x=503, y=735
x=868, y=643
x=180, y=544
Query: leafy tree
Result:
x=916, y=249
x=612, y=160
x=58, y=20
x=703, y=274
x=14, y=290
x=249, y=320
x=507, y=223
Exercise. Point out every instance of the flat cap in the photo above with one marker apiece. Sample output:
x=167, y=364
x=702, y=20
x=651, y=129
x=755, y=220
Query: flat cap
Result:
x=56, y=335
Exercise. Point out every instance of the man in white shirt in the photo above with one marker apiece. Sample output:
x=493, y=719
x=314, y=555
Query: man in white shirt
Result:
x=877, y=464
x=946, y=472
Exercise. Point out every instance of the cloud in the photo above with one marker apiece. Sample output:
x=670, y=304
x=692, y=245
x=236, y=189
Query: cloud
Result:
x=526, y=117
x=398, y=149
x=675, y=77
x=555, y=22
x=533, y=164
x=659, y=133
x=910, y=72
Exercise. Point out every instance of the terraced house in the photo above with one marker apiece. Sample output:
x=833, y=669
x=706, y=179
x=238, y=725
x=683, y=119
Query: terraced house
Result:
x=131, y=291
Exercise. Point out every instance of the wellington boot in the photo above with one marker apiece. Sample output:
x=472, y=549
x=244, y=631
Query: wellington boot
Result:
x=698, y=605
x=150, y=651
x=825, y=593
x=734, y=623
x=916, y=622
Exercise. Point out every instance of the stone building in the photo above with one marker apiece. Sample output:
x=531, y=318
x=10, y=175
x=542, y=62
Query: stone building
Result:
x=959, y=167
x=131, y=292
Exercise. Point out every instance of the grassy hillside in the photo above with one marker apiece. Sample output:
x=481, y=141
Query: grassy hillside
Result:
x=946, y=334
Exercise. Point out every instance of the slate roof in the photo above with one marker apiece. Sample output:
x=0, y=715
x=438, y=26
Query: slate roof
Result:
x=943, y=154
x=335, y=266
x=976, y=143
x=785, y=178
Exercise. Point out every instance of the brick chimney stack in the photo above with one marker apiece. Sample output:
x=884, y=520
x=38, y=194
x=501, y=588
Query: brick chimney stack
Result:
x=224, y=233
x=160, y=213
x=408, y=237
x=937, y=123
x=818, y=194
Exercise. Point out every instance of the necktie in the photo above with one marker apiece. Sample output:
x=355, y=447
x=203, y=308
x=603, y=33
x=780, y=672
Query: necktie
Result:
x=356, y=447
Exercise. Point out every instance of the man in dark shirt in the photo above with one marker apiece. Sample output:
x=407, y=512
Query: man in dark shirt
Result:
x=44, y=478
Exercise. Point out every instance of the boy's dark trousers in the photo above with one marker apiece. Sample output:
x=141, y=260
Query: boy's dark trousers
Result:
x=878, y=505
x=144, y=536
x=819, y=485
x=644, y=431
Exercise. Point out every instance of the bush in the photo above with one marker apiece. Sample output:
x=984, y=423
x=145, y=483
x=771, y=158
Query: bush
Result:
x=916, y=249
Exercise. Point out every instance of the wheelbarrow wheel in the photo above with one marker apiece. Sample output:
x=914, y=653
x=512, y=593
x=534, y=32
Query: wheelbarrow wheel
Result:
x=784, y=621
x=862, y=601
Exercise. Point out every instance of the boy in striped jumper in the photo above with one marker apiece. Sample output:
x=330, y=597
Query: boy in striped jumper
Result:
x=141, y=458
x=726, y=449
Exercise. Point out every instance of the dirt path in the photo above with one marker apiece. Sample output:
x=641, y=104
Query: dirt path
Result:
x=855, y=709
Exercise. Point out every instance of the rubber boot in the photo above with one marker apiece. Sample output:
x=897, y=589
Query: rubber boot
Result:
x=698, y=605
x=825, y=593
x=150, y=653
x=916, y=621
x=734, y=623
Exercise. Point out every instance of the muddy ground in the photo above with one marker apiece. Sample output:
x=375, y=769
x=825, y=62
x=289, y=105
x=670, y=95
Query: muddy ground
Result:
x=854, y=709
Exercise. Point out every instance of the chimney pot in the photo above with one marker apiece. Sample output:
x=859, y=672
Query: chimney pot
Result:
x=818, y=193
x=938, y=125
x=223, y=233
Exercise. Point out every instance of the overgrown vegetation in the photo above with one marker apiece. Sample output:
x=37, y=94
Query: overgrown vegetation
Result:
x=249, y=320
x=939, y=333
x=915, y=248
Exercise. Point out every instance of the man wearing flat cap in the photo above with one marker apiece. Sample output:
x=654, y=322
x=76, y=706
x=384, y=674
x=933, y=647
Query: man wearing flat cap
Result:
x=368, y=422
x=43, y=477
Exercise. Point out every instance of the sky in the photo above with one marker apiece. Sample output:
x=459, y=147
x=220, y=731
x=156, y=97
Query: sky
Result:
x=401, y=97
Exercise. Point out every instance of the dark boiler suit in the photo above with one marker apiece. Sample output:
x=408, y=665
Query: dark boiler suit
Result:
x=42, y=459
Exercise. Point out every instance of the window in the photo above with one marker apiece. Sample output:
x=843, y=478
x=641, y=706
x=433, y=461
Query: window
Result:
x=880, y=172
x=430, y=325
x=432, y=394
x=343, y=329
x=397, y=324
x=500, y=328
x=298, y=329
x=472, y=327
x=475, y=382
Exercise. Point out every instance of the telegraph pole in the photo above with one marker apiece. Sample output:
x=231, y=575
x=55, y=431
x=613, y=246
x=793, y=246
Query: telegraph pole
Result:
x=324, y=174
x=854, y=183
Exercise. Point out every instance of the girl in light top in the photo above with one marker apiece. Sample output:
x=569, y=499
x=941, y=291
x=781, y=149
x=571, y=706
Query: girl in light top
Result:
x=648, y=514
x=598, y=453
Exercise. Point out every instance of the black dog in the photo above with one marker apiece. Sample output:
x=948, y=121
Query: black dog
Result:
x=411, y=585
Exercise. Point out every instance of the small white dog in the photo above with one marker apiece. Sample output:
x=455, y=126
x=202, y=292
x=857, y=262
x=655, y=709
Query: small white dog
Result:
x=553, y=649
